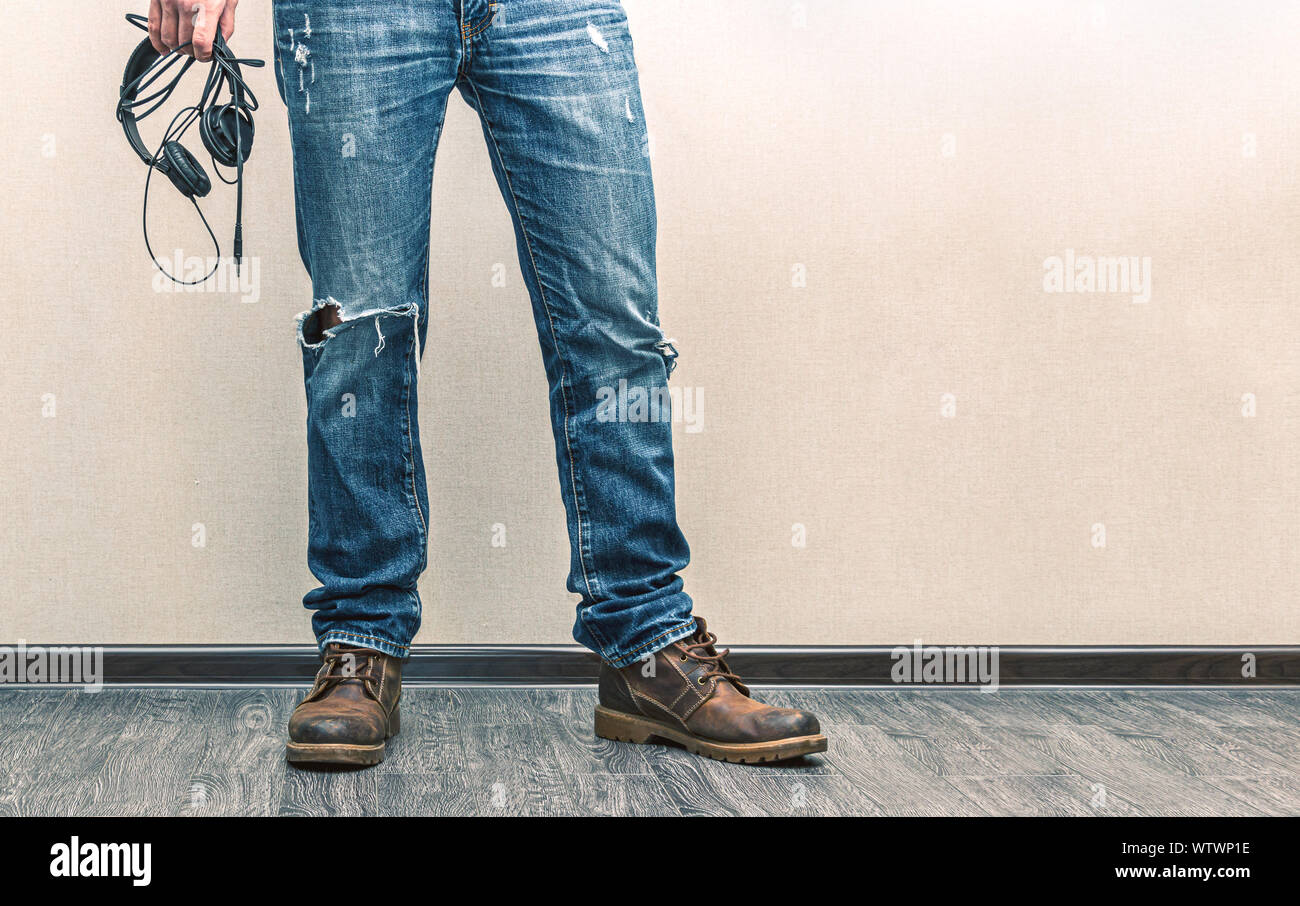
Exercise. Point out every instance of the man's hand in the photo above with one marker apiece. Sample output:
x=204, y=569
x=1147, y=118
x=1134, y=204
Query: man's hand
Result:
x=174, y=22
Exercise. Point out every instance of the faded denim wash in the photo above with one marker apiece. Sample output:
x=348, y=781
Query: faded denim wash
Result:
x=366, y=84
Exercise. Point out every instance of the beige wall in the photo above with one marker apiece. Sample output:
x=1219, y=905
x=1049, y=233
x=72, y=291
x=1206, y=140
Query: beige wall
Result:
x=918, y=162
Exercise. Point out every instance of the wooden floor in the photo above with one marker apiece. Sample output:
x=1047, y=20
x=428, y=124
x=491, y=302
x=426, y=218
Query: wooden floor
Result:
x=477, y=751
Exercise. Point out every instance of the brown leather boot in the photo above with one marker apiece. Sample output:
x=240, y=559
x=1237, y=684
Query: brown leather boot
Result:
x=350, y=711
x=691, y=697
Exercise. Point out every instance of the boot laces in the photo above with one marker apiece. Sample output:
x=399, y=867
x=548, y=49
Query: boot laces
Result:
x=341, y=666
x=699, y=647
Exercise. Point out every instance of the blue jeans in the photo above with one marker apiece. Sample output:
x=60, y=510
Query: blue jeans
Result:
x=554, y=82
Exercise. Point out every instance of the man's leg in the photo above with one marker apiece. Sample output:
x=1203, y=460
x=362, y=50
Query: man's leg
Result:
x=366, y=84
x=555, y=86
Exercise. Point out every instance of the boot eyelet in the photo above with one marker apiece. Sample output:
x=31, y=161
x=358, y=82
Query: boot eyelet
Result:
x=683, y=659
x=700, y=681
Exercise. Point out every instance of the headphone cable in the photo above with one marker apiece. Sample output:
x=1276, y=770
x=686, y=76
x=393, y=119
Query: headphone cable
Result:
x=222, y=72
x=144, y=208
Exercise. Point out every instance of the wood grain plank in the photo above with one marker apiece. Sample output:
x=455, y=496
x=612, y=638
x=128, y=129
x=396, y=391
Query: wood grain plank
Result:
x=892, y=778
x=330, y=792
x=1277, y=709
x=532, y=752
x=961, y=751
x=521, y=764
x=634, y=795
x=900, y=710
x=1272, y=794
x=1152, y=786
x=149, y=765
x=241, y=768
x=1057, y=795
x=1024, y=709
x=1213, y=709
x=446, y=795
x=430, y=741
x=490, y=707
x=77, y=731
x=569, y=715
x=703, y=787
x=1207, y=752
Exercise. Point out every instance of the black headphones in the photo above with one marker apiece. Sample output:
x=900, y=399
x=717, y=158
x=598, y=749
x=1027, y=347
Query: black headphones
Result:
x=225, y=129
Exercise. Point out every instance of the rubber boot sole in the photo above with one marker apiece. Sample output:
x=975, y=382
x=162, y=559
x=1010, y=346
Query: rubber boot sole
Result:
x=343, y=753
x=622, y=727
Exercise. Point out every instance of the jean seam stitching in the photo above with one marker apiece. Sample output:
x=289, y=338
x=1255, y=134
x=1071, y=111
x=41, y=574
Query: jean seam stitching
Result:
x=564, y=393
x=410, y=455
x=632, y=652
x=410, y=441
x=369, y=638
x=483, y=25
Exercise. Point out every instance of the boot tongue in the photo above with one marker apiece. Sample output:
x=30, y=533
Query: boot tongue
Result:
x=725, y=687
x=344, y=666
x=706, y=649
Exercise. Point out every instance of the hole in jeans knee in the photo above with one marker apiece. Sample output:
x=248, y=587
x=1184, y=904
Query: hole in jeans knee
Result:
x=669, y=353
x=322, y=319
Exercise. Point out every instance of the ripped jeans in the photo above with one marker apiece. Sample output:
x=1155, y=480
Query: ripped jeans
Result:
x=366, y=84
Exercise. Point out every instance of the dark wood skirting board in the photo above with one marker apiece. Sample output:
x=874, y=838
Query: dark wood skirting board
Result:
x=217, y=665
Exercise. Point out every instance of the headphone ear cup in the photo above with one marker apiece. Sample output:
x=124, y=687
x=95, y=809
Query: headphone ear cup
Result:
x=246, y=133
x=224, y=129
x=185, y=172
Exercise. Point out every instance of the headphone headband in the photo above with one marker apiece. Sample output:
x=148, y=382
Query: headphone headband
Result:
x=225, y=128
x=143, y=57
